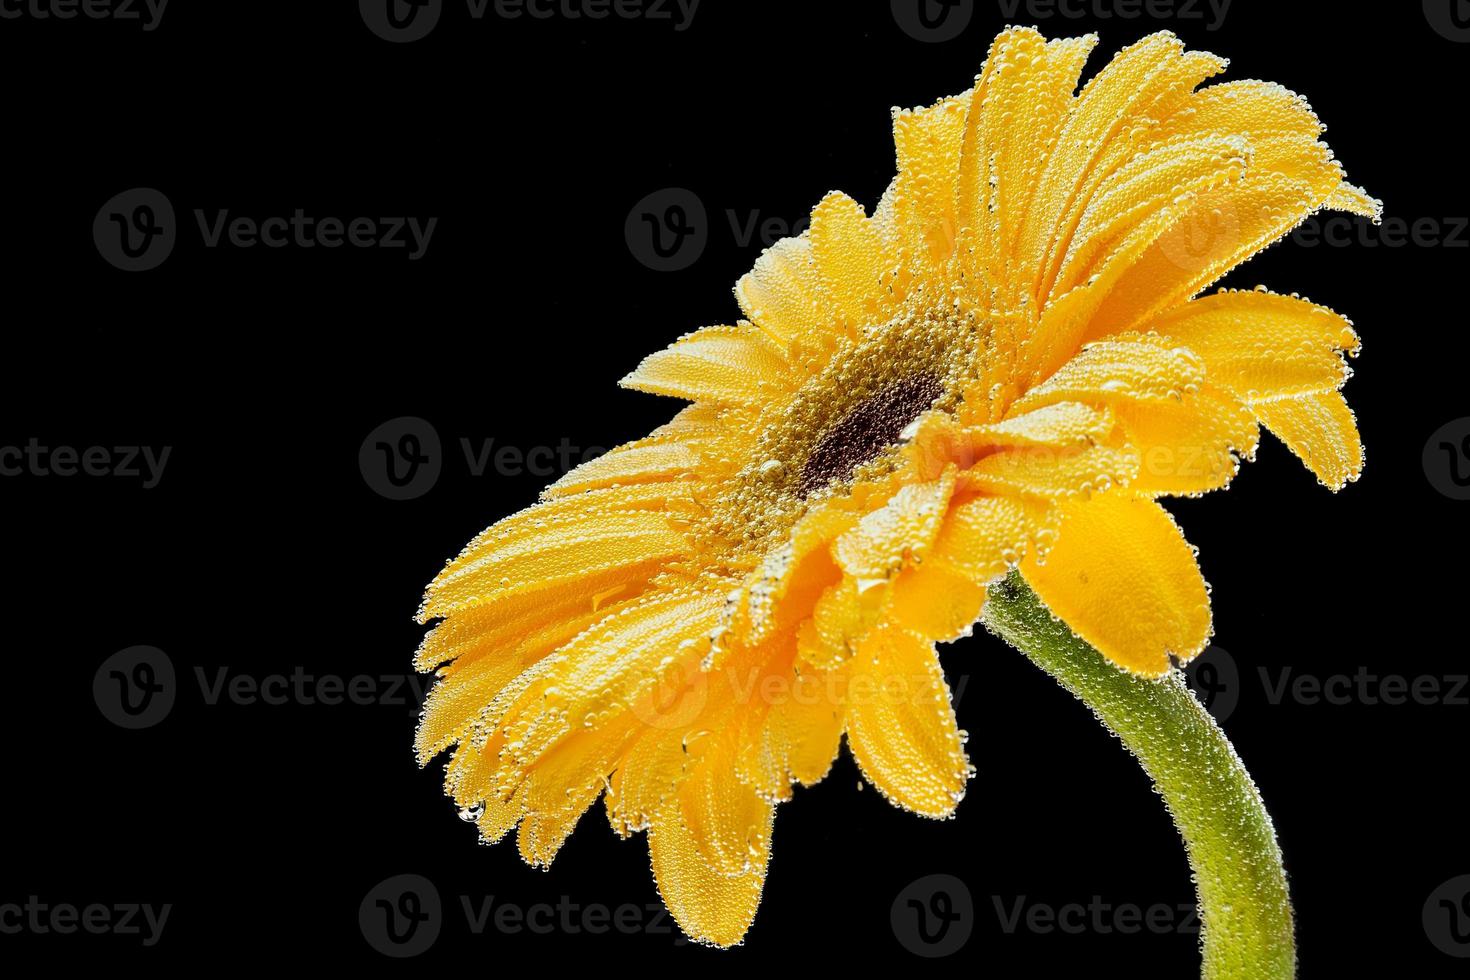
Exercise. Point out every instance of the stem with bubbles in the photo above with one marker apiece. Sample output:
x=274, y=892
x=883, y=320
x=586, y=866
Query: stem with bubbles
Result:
x=1244, y=906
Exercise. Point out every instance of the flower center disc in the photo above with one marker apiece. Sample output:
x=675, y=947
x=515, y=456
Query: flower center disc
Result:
x=867, y=431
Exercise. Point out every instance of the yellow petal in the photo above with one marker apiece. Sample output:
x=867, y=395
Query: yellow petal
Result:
x=725, y=817
x=1249, y=108
x=710, y=907
x=650, y=770
x=621, y=543
x=610, y=669
x=1191, y=445
x=1109, y=115
x=638, y=462
x=455, y=702
x=1220, y=229
x=928, y=144
x=1263, y=346
x=842, y=615
x=1058, y=424
x=901, y=726
x=1143, y=187
x=936, y=602
x=1053, y=473
x=1355, y=200
x=732, y=365
x=792, y=576
x=1124, y=579
x=985, y=537
x=849, y=258
x=1116, y=370
x=561, y=794
x=1028, y=101
x=901, y=529
x=800, y=735
x=1322, y=430
x=784, y=293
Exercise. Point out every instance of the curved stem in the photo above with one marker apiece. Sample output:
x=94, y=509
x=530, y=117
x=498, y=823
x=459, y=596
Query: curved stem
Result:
x=1232, y=846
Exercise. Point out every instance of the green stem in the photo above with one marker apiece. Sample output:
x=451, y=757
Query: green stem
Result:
x=1232, y=846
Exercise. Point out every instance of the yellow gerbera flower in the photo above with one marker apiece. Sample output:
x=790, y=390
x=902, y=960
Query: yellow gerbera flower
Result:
x=1002, y=367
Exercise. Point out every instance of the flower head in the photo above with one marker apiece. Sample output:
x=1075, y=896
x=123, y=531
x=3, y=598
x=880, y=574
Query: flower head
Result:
x=1002, y=367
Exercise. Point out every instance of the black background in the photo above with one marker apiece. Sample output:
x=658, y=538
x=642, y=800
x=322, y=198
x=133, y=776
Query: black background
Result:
x=264, y=550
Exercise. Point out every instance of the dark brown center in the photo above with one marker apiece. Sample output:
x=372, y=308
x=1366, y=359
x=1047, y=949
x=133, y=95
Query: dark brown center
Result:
x=868, y=430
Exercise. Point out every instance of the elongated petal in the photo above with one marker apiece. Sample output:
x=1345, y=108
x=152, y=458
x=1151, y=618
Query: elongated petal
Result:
x=784, y=292
x=739, y=365
x=1116, y=370
x=849, y=258
x=901, y=726
x=621, y=544
x=1221, y=229
x=728, y=820
x=710, y=907
x=936, y=602
x=903, y=528
x=985, y=537
x=928, y=143
x=1124, y=579
x=800, y=735
x=1054, y=473
x=1189, y=446
x=1264, y=346
x=634, y=463
x=1322, y=430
